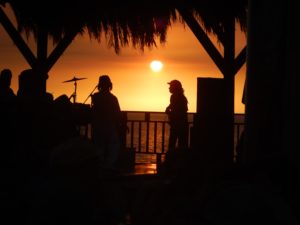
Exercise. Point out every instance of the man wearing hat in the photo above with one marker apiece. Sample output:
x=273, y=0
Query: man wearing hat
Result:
x=106, y=121
x=177, y=113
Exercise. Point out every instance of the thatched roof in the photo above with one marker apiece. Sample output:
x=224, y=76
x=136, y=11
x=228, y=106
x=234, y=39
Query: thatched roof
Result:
x=214, y=13
x=131, y=21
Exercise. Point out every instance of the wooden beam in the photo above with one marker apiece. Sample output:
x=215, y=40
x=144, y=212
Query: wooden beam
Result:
x=240, y=60
x=203, y=38
x=229, y=60
x=59, y=49
x=17, y=39
x=42, y=44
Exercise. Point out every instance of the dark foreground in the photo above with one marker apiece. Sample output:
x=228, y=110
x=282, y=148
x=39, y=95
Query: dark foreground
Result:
x=75, y=189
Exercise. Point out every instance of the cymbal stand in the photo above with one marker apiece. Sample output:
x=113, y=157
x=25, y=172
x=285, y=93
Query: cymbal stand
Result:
x=74, y=93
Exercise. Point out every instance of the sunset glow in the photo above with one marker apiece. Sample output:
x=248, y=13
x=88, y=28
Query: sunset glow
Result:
x=133, y=82
x=156, y=65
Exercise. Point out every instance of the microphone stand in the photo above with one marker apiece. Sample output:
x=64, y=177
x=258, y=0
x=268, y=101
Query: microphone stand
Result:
x=90, y=94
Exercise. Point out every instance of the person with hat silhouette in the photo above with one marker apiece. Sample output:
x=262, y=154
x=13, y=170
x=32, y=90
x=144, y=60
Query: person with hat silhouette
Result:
x=177, y=114
x=106, y=122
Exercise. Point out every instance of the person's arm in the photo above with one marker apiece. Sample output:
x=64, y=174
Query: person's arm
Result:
x=170, y=106
x=118, y=112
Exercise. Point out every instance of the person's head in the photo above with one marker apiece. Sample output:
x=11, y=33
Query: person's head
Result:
x=104, y=83
x=175, y=86
x=5, y=77
x=32, y=83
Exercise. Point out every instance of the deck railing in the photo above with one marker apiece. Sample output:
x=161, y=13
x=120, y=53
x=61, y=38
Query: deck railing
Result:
x=148, y=132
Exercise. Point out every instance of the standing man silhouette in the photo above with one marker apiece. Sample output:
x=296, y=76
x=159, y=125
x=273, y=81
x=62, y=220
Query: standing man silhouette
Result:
x=177, y=113
x=106, y=123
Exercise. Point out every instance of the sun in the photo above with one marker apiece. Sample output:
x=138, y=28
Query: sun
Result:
x=156, y=65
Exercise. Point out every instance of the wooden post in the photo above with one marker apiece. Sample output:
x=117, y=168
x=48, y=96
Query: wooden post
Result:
x=212, y=125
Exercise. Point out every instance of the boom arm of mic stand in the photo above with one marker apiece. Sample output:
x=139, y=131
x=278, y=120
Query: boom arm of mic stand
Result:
x=90, y=94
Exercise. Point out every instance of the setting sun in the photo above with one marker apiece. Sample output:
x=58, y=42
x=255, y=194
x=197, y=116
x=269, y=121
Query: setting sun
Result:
x=156, y=65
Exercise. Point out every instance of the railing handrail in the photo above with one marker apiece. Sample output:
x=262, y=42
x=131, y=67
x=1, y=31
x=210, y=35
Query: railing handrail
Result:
x=160, y=146
x=148, y=135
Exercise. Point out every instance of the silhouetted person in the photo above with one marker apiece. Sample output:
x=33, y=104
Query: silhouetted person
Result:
x=6, y=93
x=8, y=109
x=8, y=147
x=178, y=119
x=106, y=122
x=35, y=107
x=7, y=96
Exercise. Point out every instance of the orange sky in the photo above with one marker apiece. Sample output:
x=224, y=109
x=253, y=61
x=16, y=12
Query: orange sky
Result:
x=135, y=85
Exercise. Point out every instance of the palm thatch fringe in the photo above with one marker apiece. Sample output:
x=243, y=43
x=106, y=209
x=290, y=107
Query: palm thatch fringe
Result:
x=137, y=22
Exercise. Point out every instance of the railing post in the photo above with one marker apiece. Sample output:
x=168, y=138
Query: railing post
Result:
x=163, y=137
x=140, y=137
x=147, y=119
x=123, y=130
x=155, y=137
x=131, y=134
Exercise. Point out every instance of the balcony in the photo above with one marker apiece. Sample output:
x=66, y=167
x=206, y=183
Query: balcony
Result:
x=148, y=133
